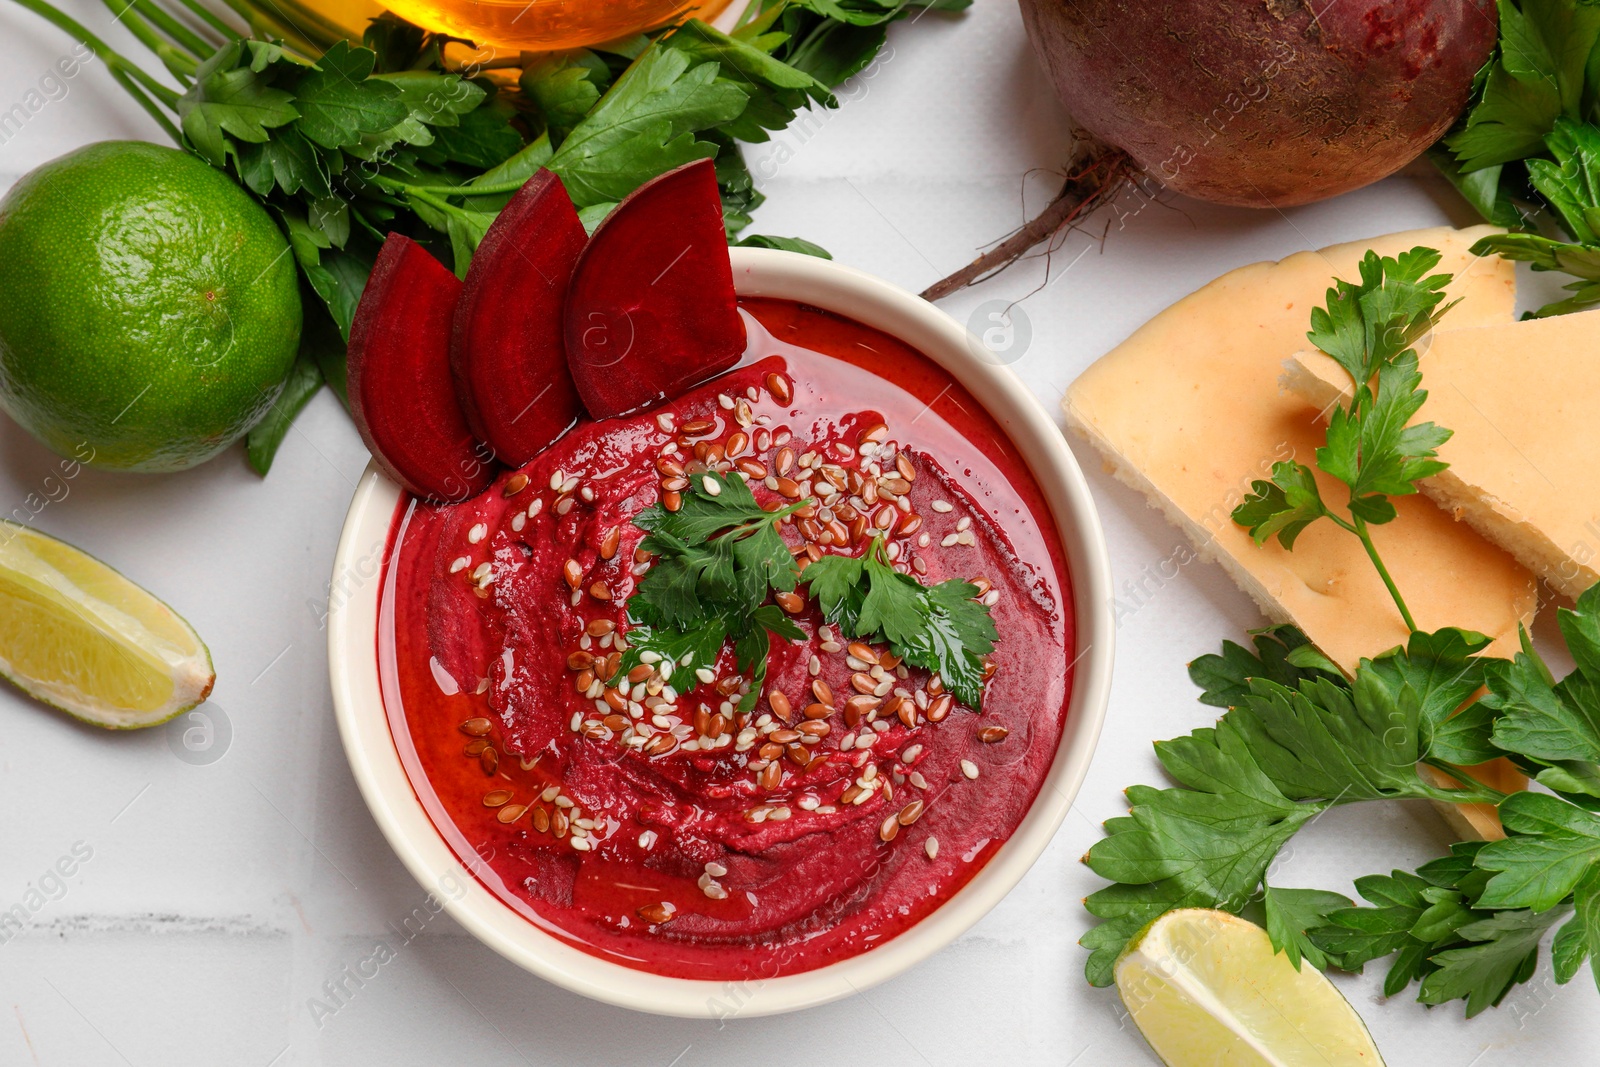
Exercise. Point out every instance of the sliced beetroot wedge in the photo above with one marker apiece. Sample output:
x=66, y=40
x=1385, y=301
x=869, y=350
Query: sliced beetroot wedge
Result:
x=651, y=310
x=401, y=392
x=507, y=351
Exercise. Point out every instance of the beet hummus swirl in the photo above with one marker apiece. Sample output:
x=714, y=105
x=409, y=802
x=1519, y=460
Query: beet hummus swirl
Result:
x=647, y=815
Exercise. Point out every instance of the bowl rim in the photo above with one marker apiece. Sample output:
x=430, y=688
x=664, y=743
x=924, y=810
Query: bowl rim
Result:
x=357, y=582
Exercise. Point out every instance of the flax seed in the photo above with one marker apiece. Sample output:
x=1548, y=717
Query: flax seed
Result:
x=990, y=735
x=476, y=727
x=792, y=603
x=778, y=386
x=657, y=914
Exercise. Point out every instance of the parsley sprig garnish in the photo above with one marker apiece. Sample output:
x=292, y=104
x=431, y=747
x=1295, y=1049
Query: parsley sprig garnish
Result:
x=937, y=627
x=719, y=559
x=1368, y=328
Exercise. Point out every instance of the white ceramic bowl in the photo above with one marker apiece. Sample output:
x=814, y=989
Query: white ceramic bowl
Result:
x=364, y=727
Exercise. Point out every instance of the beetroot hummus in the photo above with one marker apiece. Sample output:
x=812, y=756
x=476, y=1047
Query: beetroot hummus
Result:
x=652, y=822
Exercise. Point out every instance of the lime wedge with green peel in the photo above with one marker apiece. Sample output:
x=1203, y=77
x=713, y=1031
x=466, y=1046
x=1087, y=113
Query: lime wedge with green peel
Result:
x=77, y=635
x=1205, y=988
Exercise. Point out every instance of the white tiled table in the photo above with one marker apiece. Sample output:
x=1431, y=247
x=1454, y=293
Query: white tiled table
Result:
x=219, y=898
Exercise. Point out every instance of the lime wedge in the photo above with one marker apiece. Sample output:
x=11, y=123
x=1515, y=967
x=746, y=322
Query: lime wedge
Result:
x=77, y=635
x=1205, y=988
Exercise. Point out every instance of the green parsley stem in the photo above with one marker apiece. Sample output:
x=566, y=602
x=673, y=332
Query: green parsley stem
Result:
x=417, y=192
x=1471, y=789
x=467, y=190
x=197, y=46
x=211, y=18
x=755, y=524
x=1360, y=529
x=124, y=71
x=181, y=66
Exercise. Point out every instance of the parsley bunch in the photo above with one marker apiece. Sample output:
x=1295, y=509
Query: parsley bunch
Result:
x=1529, y=142
x=719, y=560
x=1299, y=738
x=346, y=142
x=1368, y=328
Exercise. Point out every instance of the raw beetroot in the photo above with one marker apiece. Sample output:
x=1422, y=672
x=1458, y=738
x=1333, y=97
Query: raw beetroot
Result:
x=401, y=391
x=507, y=352
x=651, y=309
x=1264, y=103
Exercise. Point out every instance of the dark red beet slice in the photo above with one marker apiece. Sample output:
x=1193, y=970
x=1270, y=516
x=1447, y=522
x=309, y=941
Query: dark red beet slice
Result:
x=507, y=352
x=401, y=391
x=651, y=308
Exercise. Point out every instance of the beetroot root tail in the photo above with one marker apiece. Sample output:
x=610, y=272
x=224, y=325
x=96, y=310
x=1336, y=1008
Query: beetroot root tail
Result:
x=1096, y=180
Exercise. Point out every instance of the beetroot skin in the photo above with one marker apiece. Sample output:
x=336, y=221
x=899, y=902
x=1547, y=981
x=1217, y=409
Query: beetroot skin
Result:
x=401, y=393
x=1264, y=103
x=651, y=310
x=507, y=352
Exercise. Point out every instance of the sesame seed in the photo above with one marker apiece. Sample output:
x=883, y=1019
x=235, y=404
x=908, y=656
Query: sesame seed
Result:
x=965, y=523
x=991, y=598
x=477, y=533
x=518, y=521
x=943, y=506
x=711, y=485
x=582, y=844
x=535, y=507
x=966, y=537
x=949, y=540
x=716, y=870
x=664, y=422
x=969, y=768
x=460, y=564
x=931, y=847
x=556, y=479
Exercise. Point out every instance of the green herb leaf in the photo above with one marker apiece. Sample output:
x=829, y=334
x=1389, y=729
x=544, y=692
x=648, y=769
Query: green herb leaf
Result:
x=1292, y=913
x=231, y=98
x=1553, y=845
x=1503, y=952
x=1281, y=507
x=645, y=126
x=1225, y=679
x=941, y=628
x=337, y=102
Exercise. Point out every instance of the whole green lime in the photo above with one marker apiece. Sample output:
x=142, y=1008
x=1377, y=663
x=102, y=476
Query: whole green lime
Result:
x=150, y=311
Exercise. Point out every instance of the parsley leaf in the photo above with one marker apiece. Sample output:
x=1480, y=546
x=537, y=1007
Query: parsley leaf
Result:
x=231, y=98
x=645, y=126
x=1368, y=328
x=338, y=104
x=1501, y=951
x=941, y=628
x=1292, y=913
x=1225, y=679
x=1539, y=75
x=1551, y=846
